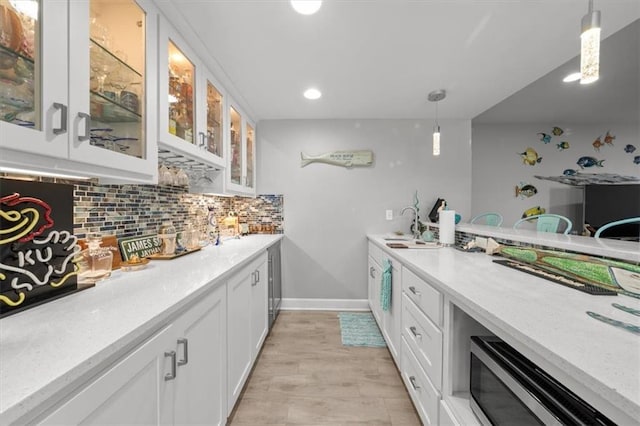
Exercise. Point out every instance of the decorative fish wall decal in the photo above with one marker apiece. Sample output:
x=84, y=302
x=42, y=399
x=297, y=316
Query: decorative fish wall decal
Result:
x=340, y=158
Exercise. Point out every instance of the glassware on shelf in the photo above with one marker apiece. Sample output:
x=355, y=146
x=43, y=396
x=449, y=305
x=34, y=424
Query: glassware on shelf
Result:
x=236, y=147
x=19, y=62
x=117, y=75
x=181, y=99
x=249, y=151
x=214, y=114
x=94, y=261
x=165, y=176
x=190, y=237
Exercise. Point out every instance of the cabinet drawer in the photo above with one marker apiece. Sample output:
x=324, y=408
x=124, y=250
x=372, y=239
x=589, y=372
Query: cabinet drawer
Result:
x=424, y=396
x=424, y=339
x=379, y=255
x=427, y=298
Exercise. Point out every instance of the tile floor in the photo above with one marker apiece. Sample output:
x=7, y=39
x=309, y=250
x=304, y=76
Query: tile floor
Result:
x=304, y=376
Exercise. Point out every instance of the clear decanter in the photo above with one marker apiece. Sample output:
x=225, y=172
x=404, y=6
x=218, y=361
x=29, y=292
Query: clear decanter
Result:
x=94, y=261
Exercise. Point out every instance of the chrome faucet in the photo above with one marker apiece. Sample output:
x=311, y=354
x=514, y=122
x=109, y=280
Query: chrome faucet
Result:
x=416, y=225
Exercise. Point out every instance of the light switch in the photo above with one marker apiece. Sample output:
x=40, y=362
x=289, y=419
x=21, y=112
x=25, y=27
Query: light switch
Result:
x=389, y=214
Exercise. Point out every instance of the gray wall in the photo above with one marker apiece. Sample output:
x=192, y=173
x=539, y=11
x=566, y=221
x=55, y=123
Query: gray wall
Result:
x=329, y=210
x=497, y=168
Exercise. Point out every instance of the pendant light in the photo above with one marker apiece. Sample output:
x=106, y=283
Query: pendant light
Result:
x=436, y=96
x=590, y=46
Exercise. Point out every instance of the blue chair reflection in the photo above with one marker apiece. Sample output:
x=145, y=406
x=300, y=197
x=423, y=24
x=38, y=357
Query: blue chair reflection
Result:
x=616, y=223
x=547, y=223
x=489, y=219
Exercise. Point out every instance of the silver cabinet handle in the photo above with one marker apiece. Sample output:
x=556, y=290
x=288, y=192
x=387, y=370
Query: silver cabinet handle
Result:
x=372, y=271
x=185, y=352
x=203, y=140
x=257, y=276
x=87, y=126
x=253, y=279
x=172, y=375
x=414, y=291
x=412, y=379
x=415, y=333
x=63, y=119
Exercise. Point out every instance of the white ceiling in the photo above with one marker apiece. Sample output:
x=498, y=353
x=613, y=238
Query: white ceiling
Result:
x=380, y=59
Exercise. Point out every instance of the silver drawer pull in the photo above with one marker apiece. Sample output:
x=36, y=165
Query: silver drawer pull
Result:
x=63, y=119
x=87, y=126
x=412, y=379
x=185, y=353
x=415, y=333
x=372, y=271
x=414, y=291
x=172, y=375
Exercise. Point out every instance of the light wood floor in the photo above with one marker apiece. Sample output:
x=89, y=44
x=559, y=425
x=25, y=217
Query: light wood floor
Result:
x=305, y=376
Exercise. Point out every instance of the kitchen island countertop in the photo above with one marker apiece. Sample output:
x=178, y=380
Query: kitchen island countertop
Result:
x=547, y=322
x=50, y=349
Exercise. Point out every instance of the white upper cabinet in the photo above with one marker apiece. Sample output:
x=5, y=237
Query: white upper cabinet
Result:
x=190, y=104
x=76, y=81
x=242, y=147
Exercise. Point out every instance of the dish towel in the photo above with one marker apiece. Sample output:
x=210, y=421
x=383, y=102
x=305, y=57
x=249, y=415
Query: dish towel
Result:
x=385, y=288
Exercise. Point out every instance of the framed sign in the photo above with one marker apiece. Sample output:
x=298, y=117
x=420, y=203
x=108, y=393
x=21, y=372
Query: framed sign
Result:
x=37, y=245
x=143, y=246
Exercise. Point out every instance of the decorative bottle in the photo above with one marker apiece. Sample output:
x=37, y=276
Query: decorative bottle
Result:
x=95, y=261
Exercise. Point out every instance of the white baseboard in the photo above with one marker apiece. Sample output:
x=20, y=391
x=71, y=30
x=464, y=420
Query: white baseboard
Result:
x=324, y=305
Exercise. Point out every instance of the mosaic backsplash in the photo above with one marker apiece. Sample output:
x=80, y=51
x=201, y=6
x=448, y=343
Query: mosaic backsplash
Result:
x=131, y=210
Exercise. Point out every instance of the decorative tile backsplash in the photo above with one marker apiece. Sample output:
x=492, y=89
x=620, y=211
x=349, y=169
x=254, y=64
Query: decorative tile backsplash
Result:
x=131, y=210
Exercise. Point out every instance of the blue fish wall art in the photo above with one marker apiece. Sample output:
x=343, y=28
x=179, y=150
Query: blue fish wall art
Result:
x=586, y=162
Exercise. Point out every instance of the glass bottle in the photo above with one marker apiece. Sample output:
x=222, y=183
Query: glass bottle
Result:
x=167, y=235
x=95, y=261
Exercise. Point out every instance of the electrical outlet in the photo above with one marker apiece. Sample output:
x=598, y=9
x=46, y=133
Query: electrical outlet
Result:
x=389, y=214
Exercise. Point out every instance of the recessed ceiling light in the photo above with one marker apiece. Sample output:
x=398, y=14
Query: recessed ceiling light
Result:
x=306, y=7
x=572, y=77
x=312, y=94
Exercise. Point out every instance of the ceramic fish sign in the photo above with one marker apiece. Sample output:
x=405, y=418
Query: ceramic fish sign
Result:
x=525, y=190
x=570, y=172
x=340, y=158
x=589, y=162
x=533, y=211
x=545, y=137
x=597, y=144
x=636, y=159
x=563, y=145
x=530, y=157
x=557, y=131
x=629, y=149
x=609, y=138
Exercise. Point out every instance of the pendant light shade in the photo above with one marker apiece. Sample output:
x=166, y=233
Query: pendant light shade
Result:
x=436, y=96
x=590, y=46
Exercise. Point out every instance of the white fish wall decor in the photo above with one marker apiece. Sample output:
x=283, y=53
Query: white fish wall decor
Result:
x=340, y=158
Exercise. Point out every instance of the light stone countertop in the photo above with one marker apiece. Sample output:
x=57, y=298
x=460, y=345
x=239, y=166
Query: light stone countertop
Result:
x=607, y=247
x=543, y=320
x=48, y=350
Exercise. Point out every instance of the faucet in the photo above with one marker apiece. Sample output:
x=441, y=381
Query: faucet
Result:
x=416, y=225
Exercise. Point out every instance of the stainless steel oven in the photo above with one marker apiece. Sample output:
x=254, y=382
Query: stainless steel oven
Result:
x=508, y=389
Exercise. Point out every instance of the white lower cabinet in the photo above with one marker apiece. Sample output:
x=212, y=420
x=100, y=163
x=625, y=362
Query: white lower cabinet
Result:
x=178, y=376
x=424, y=395
x=446, y=415
x=248, y=324
x=134, y=391
x=389, y=321
x=201, y=366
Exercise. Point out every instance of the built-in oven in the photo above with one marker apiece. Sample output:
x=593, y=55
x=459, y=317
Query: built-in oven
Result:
x=508, y=389
x=275, y=282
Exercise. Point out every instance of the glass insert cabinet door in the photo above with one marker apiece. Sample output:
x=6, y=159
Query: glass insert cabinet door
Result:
x=214, y=120
x=20, y=62
x=181, y=98
x=250, y=139
x=235, y=139
x=117, y=80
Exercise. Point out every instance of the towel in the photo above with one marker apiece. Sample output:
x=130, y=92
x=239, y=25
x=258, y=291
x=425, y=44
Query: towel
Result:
x=385, y=288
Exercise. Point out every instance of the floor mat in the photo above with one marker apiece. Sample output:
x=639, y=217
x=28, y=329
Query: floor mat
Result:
x=360, y=329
